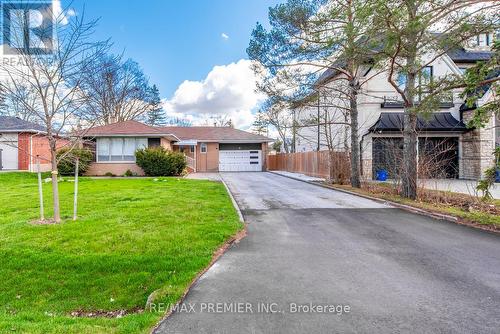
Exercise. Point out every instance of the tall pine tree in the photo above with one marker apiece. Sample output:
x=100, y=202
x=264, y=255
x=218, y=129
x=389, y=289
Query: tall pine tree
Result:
x=156, y=115
x=260, y=124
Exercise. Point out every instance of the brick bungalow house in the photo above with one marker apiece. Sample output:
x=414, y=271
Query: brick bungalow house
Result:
x=20, y=143
x=207, y=149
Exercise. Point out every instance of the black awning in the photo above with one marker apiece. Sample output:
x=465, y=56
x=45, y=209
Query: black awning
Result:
x=438, y=122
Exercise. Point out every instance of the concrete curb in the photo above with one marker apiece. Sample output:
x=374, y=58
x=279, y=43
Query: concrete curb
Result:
x=379, y=200
x=235, y=204
x=217, y=255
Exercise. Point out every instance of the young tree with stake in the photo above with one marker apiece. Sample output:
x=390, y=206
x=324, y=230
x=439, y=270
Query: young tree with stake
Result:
x=47, y=83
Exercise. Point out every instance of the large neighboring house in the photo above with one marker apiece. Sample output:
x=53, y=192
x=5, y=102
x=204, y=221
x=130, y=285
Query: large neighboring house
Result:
x=464, y=153
x=20, y=144
x=207, y=149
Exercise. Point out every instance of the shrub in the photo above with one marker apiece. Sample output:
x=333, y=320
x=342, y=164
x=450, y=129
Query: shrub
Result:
x=129, y=173
x=66, y=165
x=109, y=174
x=157, y=161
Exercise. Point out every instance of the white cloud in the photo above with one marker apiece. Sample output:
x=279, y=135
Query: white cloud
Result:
x=61, y=14
x=224, y=36
x=227, y=91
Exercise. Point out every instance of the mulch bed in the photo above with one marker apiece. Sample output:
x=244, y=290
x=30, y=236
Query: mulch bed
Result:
x=432, y=201
x=105, y=314
x=435, y=197
x=44, y=222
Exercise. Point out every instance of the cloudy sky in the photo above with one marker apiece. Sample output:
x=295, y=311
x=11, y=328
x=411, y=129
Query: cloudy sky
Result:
x=194, y=50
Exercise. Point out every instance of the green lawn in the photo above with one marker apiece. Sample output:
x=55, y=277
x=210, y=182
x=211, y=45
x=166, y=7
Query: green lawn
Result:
x=133, y=237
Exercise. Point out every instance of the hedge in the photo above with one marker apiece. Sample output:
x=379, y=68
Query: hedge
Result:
x=159, y=162
x=66, y=166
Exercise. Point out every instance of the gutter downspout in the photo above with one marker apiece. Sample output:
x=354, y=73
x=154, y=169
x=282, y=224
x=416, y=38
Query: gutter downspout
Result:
x=30, y=167
x=31, y=154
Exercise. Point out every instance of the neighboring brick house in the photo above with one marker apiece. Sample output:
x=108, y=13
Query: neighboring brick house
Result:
x=207, y=149
x=20, y=144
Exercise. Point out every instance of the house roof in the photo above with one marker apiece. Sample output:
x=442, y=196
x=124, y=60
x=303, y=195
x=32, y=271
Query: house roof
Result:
x=463, y=56
x=439, y=121
x=15, y=124
x=177, y=133
x=214, y=134
x=126, y=128
x=480, y=91
x=458, y=55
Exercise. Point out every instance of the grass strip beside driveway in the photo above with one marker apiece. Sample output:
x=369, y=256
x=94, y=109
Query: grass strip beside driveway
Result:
x=133, y=237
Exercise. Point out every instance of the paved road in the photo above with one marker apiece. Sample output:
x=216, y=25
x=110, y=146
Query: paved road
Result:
x=397, y=272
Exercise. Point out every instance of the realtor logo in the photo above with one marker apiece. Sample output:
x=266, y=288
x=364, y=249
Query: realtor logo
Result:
x=27, y=27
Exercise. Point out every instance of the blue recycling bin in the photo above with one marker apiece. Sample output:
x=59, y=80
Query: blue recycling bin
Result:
x=382, y=175
x=497, y=176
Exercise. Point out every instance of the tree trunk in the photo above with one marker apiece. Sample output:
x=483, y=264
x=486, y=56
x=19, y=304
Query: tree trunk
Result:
x=355, y=151
x=410, y=170
x=332, y=169
x=410, y=139
x=55, y=186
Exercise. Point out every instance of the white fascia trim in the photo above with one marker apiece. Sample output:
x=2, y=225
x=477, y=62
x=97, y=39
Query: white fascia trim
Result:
x=186, y=143
x=151, y=135
x=451, y=64
x=25, y=130
x=485, y=98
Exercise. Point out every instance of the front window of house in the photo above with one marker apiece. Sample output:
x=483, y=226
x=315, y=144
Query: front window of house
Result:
x=424, y=78
x=119, y=149
x=482, y=40
x=203, y=148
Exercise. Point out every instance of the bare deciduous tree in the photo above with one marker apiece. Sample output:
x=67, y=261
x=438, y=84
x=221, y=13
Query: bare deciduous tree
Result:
x=45, y=85
x=118, y=90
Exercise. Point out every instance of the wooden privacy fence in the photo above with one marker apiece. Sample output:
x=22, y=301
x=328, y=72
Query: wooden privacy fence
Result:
x=316, y=163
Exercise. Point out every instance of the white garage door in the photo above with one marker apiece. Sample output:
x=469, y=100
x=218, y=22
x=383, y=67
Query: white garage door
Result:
x=240, y=161
x=8, y=151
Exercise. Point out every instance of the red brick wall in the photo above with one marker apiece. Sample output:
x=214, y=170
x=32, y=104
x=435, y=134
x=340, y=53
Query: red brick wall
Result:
x=39, y=146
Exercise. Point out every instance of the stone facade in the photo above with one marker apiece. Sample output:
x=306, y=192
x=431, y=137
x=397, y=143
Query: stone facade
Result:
x=477, y=148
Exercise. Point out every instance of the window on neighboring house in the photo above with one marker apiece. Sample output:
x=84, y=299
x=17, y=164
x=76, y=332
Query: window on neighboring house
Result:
x=484, y=39
x=191, y=148
x=119, y=149
x=203, y=148
x=424, y=78
x=462, y=69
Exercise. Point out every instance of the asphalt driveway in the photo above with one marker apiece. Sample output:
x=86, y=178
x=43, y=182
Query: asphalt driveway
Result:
x=367, y=267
